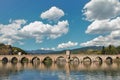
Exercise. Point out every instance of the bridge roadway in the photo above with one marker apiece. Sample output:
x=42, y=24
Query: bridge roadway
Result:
x=67, y=58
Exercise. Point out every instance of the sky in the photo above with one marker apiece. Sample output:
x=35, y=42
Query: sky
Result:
x=59, y=24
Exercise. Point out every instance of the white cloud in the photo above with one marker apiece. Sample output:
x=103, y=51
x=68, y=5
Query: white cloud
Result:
x=39, y=30
x=102, y=41
x=102, y=9
x=54, y=13
x=67, y=45
x=104, y=26
x=17, y=31
x=104, y=15
x=48, y=48
x=8, y=33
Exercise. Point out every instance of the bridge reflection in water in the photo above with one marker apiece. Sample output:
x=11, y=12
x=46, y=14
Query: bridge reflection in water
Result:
x=67, y=67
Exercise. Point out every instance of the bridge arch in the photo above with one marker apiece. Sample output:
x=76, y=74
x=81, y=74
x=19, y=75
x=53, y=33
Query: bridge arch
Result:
x=24, y=60
x=47, y=59
x=87, y=59
x=5, y=60
x=75, y=60
x=35, y=60
x=117, y=60
x=109, y=60
x=60, y=59
x=98, y=59
x=14, y=60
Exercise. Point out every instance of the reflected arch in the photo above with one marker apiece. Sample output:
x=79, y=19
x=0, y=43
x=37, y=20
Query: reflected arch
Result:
x=87, y=59
x=14, y=60
x=35, y=60
x=109, y=60
x=4, y=60
x=117, y=59
x=47, y=61
x=98, y=59
x=60, y=59
x=75, y=60
x=24, y=60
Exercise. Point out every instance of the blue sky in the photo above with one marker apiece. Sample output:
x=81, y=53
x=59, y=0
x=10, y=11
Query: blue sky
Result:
x=59, y=24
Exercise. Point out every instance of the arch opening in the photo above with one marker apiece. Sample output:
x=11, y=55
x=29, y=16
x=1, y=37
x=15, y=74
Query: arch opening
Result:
x=36, y=61
x=109, y=60
x=14, y=60
x=60, y=60
x=117, y=60
x=87, y=61
x=24, y=60
x=98, y=60
x=5, y=60
x=47, y=61
x=74, y=60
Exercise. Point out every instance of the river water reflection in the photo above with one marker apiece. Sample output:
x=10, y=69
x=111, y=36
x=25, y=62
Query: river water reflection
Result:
x=29, y=71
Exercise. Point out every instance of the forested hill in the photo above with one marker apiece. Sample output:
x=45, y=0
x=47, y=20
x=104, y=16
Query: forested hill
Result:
x=10, y=50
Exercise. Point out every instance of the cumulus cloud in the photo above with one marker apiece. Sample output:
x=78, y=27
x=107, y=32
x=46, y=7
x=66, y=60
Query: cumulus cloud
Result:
x=48, y=48
x=67, y=45
x=8, y=33
x=39, y=30
x=101, y=9
x=104, y=26
x=104, y=15
x=102, y=41
x=16, y=31
x=54, y=13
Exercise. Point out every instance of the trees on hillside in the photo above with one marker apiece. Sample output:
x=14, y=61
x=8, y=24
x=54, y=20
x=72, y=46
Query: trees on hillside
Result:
x=110, y=50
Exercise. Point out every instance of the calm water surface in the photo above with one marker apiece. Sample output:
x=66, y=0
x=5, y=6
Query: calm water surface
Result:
x=28, y=71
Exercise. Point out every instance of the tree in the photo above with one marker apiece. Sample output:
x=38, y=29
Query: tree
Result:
x=103, y=50
x=111, y=50
x=118, y=49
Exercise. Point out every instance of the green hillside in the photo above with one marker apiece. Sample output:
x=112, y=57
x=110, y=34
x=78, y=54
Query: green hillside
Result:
x=10, y=50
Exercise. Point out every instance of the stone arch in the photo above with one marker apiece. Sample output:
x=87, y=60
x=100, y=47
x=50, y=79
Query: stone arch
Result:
x=74, y=60
x=117, y=60
x=98, y=59
x=109, y=60
x=60, y=59
x=5, y=60
x=14, y=60
x=47, y=61
x=24, y=60
x=87, y=59
x=35, y=60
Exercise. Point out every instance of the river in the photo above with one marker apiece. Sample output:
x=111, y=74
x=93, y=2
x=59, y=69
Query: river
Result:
x=65, y=71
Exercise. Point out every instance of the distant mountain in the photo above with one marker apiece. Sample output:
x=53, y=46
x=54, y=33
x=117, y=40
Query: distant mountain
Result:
x=88, y=48
x=83, y=49
x=39, y=51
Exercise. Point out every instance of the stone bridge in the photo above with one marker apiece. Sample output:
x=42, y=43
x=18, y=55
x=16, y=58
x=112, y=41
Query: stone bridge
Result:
x=60, y=58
